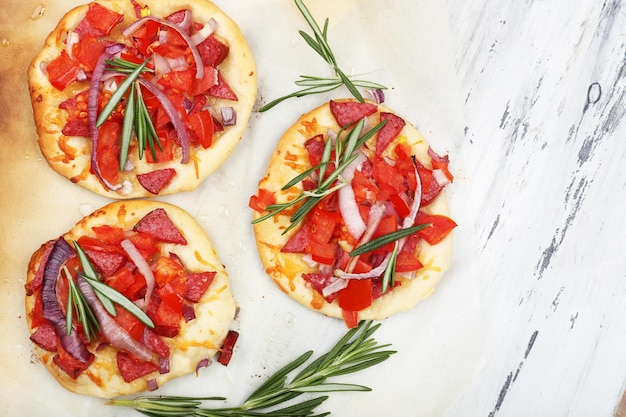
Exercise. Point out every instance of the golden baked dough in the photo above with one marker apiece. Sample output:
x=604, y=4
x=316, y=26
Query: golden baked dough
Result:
x=197, y=339
x=70, y=155
x=286, y=269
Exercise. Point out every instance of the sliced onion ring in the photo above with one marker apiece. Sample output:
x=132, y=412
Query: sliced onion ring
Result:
x=142, y=266
x=348, y=207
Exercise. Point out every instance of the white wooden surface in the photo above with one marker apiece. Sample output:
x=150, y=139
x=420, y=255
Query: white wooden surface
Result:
x=544, y=88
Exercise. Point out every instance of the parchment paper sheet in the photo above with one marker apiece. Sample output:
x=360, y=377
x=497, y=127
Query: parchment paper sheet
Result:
x=402, y=44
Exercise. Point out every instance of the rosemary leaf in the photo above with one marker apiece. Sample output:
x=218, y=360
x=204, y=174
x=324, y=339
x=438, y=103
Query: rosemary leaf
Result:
x=356, y=351
x=127, y=127
x=118, y=94
x=108, y=296
x=319, y=43
x=389, y=276
x=385, y=239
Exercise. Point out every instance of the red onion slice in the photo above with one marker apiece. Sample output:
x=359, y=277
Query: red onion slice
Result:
x=109, y=329
x=348, y=207
x=203, y=363
x=142, y=266
x=51, y=310
x=206, y=31
x=170, y=110
x=407, y=222
x=194, y=51
x=152, y=384
x=229, y=116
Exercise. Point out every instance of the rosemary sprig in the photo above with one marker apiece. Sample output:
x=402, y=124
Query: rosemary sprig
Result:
x=76, y=303
x=316, y=85
x=355, y=351
x=136, y=116
x=385, y=239
x=346, y=151
x=108, y=296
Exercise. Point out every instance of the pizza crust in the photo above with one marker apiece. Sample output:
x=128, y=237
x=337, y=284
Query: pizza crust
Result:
x=198, y=339
x=286, y=269
x=70, y=156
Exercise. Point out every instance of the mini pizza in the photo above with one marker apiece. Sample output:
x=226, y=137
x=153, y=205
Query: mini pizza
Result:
x=131, y=297
x=351, y=218
x=142, y=98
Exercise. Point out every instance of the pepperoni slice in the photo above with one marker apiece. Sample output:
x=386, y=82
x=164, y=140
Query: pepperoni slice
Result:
x=348, y=112
x=389, y=131
x=197, y=284
x=158, y=225
x=155, y=181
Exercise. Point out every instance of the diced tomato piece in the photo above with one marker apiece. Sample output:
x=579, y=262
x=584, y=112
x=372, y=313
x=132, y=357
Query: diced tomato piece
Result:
x=400, y=204
x=348, y=112
x=208, y=80
x=222, y=89
x=197, y=284
x=166, y=135
x=357, y=295
x=146, y=244
x=388, y=224
x=87, y=52
x=155, y=181
x=202, y=124
x=158, y=224
x=102, y=19
x=125, y=281
x=45, y=337
x=323, y=253
x=166, y=320
x=109, y=234
x=212, y=51
x=440, y=227
x=68, y=364
x=228, y=347
x=109, y=150
x=389, y=178
x=407, y=262
x=322, y=224
x=129, y=323
x=365, y=190
x=131, y=368
x=441, y=163
x=351, y=318
x=172, y=298
x=168, y=269
x=430, y=187
x=263, y=199
x=62, y=71
x=36, y=314
x=179, y=81
x=389, y=131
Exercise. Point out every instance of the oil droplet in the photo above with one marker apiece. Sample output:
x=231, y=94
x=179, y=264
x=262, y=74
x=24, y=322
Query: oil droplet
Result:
x=223, y=210
x=38, y=12
x=222, y=182
x=5, y=42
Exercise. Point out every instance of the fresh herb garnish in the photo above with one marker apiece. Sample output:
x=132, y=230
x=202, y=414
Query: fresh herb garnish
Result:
x=136, y=115
x=346, y=151
x=316, y=85
x=385, y=239
x=108, y=296
x=76, y=303
x=355, y=351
